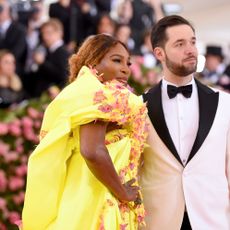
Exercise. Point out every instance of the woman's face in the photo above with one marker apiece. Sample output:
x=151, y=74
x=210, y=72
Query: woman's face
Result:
x=7, y=65
x=115, y=65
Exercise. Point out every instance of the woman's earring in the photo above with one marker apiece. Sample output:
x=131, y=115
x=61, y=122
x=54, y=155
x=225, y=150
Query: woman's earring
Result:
x=95, y=72
x=100, y=77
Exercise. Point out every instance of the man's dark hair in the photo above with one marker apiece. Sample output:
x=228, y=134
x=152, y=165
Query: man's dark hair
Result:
x=158, y=33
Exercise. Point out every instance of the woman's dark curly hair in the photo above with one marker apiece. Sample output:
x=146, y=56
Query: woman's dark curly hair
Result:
x=90, y=53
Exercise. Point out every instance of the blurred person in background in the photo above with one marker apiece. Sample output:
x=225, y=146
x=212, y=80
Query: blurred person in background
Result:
x=84, y=15
x=78, y=18
x=105, y=25
x=62, y=11
x=146, y=69
x=145, y=50
x=12, y=36
x=123, y=33
x=123, y=12
x=50, y=61
x=145, y=14
x=104, y=6
x=214, y=65
x=224, y=80
x=33, y=37
x=11, y=91
x=68, y=14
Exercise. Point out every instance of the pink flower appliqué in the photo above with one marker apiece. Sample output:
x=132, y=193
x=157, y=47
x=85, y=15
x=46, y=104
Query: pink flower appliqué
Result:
x=105, y=108
x=140, y=218
x=99, y=97
x=123, y=226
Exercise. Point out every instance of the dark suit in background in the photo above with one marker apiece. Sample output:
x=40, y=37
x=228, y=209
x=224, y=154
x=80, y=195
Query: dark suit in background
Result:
x=53, y=71
x=14, y=40
x=56, y=10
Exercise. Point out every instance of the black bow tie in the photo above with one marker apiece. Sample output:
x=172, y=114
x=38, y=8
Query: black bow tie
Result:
x=185, y=90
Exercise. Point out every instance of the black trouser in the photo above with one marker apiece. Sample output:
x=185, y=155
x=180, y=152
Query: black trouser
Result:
x=186, y=223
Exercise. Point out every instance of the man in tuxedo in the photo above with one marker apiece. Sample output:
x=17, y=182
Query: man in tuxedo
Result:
x=185, y=177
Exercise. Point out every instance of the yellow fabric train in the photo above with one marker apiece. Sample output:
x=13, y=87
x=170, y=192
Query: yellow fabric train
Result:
x=62, y=193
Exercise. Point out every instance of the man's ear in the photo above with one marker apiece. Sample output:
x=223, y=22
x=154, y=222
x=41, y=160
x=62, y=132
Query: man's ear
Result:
x=159, y=53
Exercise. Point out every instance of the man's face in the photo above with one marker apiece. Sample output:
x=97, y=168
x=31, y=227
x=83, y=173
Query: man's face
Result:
x=180, y=52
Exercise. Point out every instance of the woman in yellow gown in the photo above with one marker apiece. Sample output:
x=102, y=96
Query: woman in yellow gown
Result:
x=83, y=174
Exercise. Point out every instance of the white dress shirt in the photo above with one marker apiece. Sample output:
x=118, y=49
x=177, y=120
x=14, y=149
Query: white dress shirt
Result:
x=182, y=119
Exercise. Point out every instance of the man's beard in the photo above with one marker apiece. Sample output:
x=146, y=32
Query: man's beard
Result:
x=180, y=70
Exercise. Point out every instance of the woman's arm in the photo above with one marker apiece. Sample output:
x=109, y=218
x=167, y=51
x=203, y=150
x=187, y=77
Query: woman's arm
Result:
x=95, y=153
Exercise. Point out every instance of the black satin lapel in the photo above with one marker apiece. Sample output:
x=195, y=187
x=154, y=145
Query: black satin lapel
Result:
x=208, y=102
x=156, y=115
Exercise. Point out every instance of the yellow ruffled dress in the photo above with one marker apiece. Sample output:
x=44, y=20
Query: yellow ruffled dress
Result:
x=62, y=193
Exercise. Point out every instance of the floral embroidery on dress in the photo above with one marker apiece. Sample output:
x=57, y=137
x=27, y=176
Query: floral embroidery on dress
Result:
x=99, y=96
x=123, y=226
x=42, y=134
x=108, y=203
x=114, y=102
x=114, y=138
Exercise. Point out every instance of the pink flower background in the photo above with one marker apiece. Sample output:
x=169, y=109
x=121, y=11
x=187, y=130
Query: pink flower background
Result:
x=19, y=129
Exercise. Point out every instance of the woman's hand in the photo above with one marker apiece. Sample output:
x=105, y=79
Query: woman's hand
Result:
x=131, y=191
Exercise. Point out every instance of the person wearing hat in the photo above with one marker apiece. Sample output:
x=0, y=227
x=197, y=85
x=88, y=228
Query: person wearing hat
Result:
x=214, y=65
x=224, y=81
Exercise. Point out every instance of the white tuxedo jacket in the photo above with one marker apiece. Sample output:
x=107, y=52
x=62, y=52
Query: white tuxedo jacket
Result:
x=203, y=185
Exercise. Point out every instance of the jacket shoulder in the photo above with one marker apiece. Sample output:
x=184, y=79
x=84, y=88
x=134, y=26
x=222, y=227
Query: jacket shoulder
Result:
x=150, y=92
